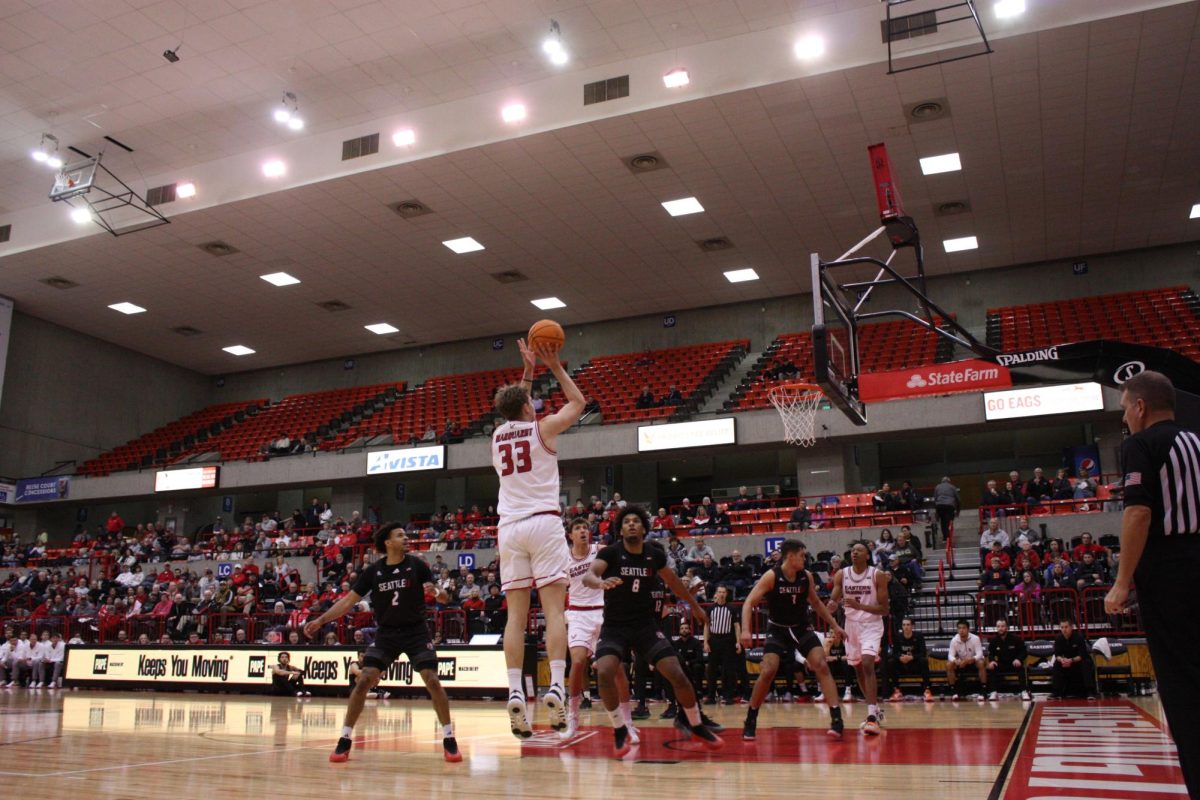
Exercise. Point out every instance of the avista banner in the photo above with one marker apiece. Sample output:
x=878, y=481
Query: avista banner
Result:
x=971, y=375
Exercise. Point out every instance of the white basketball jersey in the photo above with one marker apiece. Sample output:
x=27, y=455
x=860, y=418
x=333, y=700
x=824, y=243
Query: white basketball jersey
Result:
x=578, y=594
x=528, y=471
x=862, y=588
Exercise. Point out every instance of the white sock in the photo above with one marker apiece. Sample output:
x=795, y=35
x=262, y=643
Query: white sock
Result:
x=872, y=711
x=347, y=732
x=693, y=715
x=626, y=713
x=558, y=671
x=448, y=729
x=617, y=718
x=514, y=682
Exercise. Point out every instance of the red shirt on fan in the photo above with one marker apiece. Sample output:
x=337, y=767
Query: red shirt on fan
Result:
x=166, y=576
x=665, y=522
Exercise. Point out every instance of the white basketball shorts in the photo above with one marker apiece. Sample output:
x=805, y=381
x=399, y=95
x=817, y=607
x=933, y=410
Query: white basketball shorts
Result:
x=863, y=639
x=583, y=628
x=533, y=552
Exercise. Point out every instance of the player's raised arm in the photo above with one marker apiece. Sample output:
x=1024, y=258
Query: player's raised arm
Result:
x=765, y=584
x=336, y=611
x=676, y=585
x=820, y=608
x=554, y=424
x=595, y=578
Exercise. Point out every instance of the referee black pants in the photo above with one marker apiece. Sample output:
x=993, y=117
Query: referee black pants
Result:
x=1165, y=594
x=722, y=659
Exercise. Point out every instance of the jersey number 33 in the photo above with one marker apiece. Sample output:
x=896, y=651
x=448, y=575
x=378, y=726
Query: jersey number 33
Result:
x=514, y=457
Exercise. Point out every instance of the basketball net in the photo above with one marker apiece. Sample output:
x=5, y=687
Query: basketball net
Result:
x=797, y=405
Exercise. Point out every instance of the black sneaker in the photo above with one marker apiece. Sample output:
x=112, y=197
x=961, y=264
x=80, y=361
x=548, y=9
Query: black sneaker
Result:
x=342, y=751
x=750, y=729
x=641, y=712
x=621, y=743
x=700, y=733
x=836, y=728
x=711, y=724
x=586, y=702
x=670, y=712
x=450, y=749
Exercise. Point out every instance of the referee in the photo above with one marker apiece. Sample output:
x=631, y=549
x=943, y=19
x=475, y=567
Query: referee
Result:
x=722, y=642
x=1160, y=552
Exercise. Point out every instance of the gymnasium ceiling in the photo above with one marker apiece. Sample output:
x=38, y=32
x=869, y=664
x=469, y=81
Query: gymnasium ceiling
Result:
x=1077, y=136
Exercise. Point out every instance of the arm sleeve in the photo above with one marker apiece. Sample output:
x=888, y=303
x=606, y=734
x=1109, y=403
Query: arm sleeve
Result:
x=1137, y=467
x=366, y=579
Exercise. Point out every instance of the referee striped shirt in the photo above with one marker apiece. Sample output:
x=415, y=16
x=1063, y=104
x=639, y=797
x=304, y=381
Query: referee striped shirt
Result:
x=1162, y=470
x=720, y=620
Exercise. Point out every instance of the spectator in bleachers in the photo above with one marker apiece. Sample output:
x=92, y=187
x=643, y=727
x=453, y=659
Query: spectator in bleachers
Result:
x=663, y=523
x=817, y=519
x=1025, y=533
x=282, y=444
x=909, y=658
x=992, y=532
x=1086, y=545
x=966, y=652
x=884, y=499
x=539, y=404
x=1006, y=656
x=114, y=525
x=1011, y=496
x=1090, y=571
x=885, y=545
x=903, y=574
x=702, y=523
x=1059, y=575
x=495, y=608
x=991, y=496
x=801, y=518
x=947, y=504
x=998, y=553
x=686, y=513
x=709, y=572
x=909, y=550
x=1073, y=666
x=1085, y=488
x=1028, y=588
x=1027, y=559
x=743, y=501
x=1062, y=488
x=738, y=575
x=645, y=399
x=15, y=659
x=1018, y=486
x=996, y=577
x=672, y=397
x=1038, y=488
x=721, y=522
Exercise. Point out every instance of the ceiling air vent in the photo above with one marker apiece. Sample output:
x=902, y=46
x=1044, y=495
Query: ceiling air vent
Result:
x=362, y=146
x=509, y=276
x=411, y=208
x=160, y=194
x=5, y=233
x=59, y=283
x=645, y=162
x=334, y=305
x=603, y=91
x=927, y=110
x=908, y=27
x=187, y=330
x=714, y=244
x=219, y=248
x=951, y=208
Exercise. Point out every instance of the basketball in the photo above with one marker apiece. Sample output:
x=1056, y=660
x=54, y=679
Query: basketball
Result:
x=546, y=332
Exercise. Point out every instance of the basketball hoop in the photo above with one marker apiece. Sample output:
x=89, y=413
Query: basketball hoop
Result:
x=797, y=404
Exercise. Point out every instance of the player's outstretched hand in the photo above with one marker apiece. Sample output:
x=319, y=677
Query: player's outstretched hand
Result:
x=611, y=583
x=527, y=355
x=311, y=628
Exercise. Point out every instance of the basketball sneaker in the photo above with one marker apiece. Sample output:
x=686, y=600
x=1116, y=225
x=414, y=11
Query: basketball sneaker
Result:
x=1026, y=696
x=897, y=696
x=820, y=698
x=621, y=743
x=640, y=712
x=836, y=727
x=994, y=696
x=553, y=701
x=669, y=712
x=711, y=724
x=698, y=732
x=450, y=749
x=750, y=729
x=586, y=702
x=516, y=716
x=572, y=727
x=871, y=726
x=928, y=695
x=847, y=696
x=634, y=737
x=342, y=751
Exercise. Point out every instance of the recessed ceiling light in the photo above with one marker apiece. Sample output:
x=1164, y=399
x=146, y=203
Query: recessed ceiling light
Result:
x=282, y=115
x=54, y=162
x=741, y=275
x=81, y=215
x=548, y=303
x=464, y=245
x=676, y=78
x=185, y=190
x=382, y=328
x=513, y=113
x=295, y=123
x=682, y=206
x=1008, y=8
x=404, y=138
x=274, y=168
x=1195, y=212
x=810, y=47
x=127, y=308
x=957, y=245
x=238, y=350
x=279, y=279
x=554, y=50
x=932, y=165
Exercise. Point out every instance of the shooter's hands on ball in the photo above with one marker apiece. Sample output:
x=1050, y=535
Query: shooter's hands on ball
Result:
x=546, y=352
x=527, y=355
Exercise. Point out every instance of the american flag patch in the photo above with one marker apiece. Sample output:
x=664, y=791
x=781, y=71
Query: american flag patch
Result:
x=1133, y=479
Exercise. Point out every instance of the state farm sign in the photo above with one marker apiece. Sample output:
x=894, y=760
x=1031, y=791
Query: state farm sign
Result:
x=958, y=376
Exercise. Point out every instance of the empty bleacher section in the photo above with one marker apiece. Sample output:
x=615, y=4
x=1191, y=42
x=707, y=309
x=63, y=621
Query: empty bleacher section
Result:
x=616, y=381
x=1159, y=317
x=167, y=443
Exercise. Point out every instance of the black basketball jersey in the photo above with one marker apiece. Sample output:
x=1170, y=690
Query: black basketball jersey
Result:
x=787, y=602
x=633, y=602
x=397, y=591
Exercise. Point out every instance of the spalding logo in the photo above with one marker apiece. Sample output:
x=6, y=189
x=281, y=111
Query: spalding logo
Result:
x=1128, y=370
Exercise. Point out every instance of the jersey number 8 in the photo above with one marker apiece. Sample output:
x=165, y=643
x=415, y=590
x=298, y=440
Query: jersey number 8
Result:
x=514, y=457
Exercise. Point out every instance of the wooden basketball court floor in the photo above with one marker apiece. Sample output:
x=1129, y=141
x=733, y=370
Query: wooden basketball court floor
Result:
x=156, y=744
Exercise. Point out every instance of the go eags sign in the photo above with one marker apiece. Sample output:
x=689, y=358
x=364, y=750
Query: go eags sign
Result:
x=412, y=459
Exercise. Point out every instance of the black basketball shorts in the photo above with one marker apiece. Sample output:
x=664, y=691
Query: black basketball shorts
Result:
x=647, y=641
x=412, y=641
x=784, y=642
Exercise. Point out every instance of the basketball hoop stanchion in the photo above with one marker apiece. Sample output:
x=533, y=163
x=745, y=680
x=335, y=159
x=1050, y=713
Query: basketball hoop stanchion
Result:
x=797, y=405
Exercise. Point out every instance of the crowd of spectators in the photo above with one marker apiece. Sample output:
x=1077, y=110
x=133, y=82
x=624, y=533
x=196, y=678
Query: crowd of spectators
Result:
x=1026, y=561
x=1038, y=489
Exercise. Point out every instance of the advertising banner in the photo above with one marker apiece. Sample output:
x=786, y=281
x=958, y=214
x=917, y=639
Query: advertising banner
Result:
x=410, y=459
x=1040, y=401
x=192, y=478
x=8, y=493
x=972, y=375
x=703, y=433
x=33, y=490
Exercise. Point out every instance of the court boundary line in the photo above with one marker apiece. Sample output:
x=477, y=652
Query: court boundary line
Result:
x=1011, y=758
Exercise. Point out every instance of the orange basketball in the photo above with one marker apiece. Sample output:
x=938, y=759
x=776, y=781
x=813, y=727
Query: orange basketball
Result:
x=546, y=332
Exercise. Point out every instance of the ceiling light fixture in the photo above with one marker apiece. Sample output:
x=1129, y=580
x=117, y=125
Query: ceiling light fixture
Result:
x=548, y=303
x=553, y=47
x=288, y=112
x=682, y=206
x=280, y=279
x=47, y=152
x=1195, y=212
x=676, y=78
x=274, y=168
x=404, y=138
x=741, y=275
x=1008, y=8
x=81, y=215
x=185, y=190
x=933, y=165
x=958, y=245
x=127, y=308
x=238, y=350
x=810, y=47
x=514, y=112
x=382, y=328
x=464, y=245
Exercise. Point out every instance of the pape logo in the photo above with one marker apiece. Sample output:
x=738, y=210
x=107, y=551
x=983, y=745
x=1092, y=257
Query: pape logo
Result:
x=100, y=664
x=1028, y=357
x=447, y=668
x=916, y=382
x=257, y=668
x=1128, y=370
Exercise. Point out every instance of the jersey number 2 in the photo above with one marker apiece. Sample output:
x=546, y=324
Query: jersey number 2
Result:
x=514, y=457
